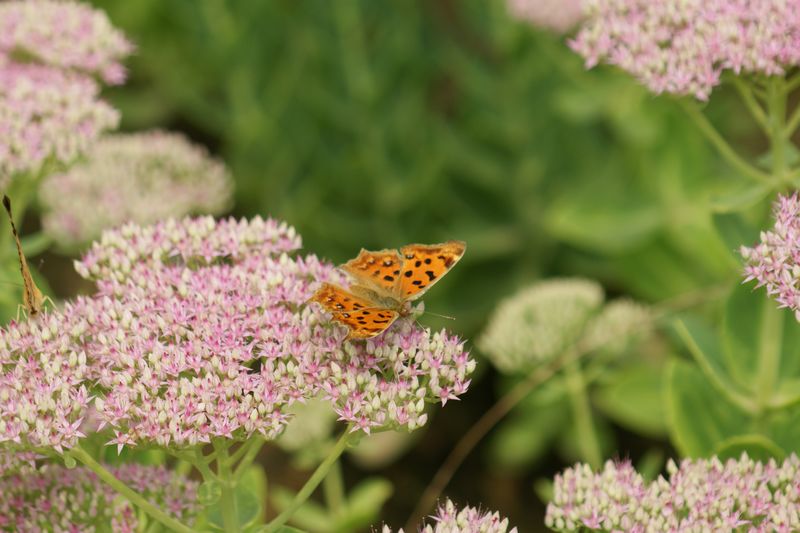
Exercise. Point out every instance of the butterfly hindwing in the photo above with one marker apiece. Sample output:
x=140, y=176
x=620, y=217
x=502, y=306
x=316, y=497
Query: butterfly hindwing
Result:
x=424, y=265
x=362, y=317
x=379, y=271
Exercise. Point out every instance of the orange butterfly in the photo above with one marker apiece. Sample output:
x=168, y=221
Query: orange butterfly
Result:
x=32, y=298
x=384, y=282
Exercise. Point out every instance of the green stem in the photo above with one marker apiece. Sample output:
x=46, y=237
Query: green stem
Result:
x=154, y=512
x=793, y=124
x=246, y=455
x=333, y=486
x=312, y=483
x=769, y=351
x=776, y=107
x=227, y=500
x=582, y=411
x=725, y=149
x=746, y=92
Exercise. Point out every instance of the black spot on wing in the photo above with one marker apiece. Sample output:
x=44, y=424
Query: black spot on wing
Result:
x=387, y=277
x=430, y=274
x=408, y=273
x=427, y=260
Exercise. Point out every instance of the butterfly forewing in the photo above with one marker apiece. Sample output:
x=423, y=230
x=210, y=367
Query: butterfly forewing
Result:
x=362, y=317
x=32, y=297
x=424, y=265
x=379, y=271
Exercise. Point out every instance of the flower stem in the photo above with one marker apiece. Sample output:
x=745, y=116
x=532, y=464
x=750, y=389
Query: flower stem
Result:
x=725, y=149
x=474, y=435
x=582, y=411
x=333, y=486
x=313, y=482
x=246, y=455
x=154, y=512
x=749, y=99
x=227, y=500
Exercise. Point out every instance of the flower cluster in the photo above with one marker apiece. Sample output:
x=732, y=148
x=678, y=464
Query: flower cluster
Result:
x=559, y=16
x=450, y=519
x=74, y=500
x=201, y=329
x=65, y=35
x=775, y=261
x=49, y=106
x=698, y=495
x=683, y=46
x=132, y=177
x=544, y=320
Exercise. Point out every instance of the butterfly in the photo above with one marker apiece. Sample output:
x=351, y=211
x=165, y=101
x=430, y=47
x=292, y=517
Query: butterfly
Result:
x=32, y=298
x=383, y=282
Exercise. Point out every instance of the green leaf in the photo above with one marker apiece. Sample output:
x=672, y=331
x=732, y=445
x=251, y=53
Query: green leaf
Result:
x=758, y=447
x=740, y=199
x=755, y=330
x=651, y=464
x=209, y=493
x=699, y=418
x=602, y=223
x=364, y=504
x=522, y=438
x=703, y=345
x=248, y=508
x=633, y=398
x=310, y=515
x=735, y=232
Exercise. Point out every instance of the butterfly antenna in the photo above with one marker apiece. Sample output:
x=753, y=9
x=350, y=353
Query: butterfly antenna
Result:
x=440, y=316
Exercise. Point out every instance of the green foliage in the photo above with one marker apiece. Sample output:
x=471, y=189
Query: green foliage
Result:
x=742, y=391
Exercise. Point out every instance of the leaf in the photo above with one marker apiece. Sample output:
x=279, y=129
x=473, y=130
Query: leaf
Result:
x=248, y=508
x=310, y=515
x=740, y=198
x=758, y=447
x=755, y=331
x=633, y=398
x=521, y=439
x=602, y=223
x=703, y=345
x=364, y=504
x=735, y=232
x=699, y=417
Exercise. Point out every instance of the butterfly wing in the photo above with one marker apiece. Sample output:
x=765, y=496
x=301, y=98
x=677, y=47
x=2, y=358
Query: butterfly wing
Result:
x=424, y=265
x=361, y=316
x=379, y=271
x=32, y=297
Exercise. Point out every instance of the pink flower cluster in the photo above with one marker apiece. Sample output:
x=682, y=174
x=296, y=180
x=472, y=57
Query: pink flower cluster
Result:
x=775, y=261
x=557, y=15
x=139, y=177
x=201, y=329
x=451, y=519
x=65, y=35
x=698, y=495
x=683, y=46
x=49, y=106
x=74, y=500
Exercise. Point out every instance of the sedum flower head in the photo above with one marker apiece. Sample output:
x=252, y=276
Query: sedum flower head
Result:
x=697, y=495
x=683, y=46
x=200, y=329
x=46, y=114
x=539, y=322
x=74, y=500
x=143, y=177
x=773, y=262
x=559, y=16
x=66, y=35
x=450, y=519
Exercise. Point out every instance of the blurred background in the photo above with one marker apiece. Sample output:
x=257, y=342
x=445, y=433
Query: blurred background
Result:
x=380, y=123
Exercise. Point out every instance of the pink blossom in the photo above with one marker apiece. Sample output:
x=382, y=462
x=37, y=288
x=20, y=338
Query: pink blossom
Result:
x=64, y=35
x=683, y=46
x=74, y=500
x=775, y=261
x=557, y=15
x=697, y=495
x=451, y=519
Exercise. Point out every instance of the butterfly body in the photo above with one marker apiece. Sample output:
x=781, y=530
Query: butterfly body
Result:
x=384, y=283
x=32, y=298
